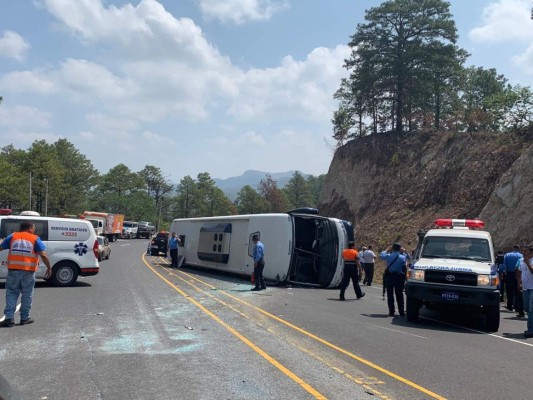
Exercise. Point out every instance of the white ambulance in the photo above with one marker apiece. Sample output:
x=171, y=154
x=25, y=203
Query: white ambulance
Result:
x=71, y=246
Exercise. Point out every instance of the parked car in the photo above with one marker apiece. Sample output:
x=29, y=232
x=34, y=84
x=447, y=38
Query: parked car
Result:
x=104, y=249
x=159, y=244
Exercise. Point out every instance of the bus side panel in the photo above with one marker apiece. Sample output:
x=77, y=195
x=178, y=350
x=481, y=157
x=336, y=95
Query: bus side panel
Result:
x=276, y=234
x=275, y=231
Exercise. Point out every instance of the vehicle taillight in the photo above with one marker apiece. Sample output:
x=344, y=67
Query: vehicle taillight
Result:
x=95, y=248
x=465, y=223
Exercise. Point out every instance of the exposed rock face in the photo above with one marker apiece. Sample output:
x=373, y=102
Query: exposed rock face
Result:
x=392, y=185
x=509, y=211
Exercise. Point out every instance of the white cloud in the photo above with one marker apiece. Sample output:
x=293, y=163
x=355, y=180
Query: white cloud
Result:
x=27, y=81
x=503, y=21
x=241, y=11
x=23, y=117
x=303, y=88
x=13, y=45
x=252, y=139
x=152, y=138
x=104, y=123
x=525, y=60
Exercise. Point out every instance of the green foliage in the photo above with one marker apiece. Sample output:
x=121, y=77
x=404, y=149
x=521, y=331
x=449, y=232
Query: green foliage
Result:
x=275, y=198
x=250, y=202
x=298, y=192
x=407, y=74
x=401, y=40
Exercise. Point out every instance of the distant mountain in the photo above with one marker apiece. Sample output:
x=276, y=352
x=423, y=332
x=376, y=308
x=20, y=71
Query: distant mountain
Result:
x=232, y=186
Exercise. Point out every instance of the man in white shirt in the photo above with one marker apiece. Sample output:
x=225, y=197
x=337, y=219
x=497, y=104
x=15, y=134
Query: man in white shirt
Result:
x=524, y=277
x=369, y=258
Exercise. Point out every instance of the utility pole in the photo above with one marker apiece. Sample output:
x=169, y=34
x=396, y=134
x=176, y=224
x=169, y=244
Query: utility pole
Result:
x=46, y=198
x=30, y=191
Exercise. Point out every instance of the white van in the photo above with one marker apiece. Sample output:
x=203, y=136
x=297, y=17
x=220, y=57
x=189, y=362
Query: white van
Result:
x=71, y=246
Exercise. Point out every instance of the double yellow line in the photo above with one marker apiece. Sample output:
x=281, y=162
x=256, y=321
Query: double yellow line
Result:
x=270, y=359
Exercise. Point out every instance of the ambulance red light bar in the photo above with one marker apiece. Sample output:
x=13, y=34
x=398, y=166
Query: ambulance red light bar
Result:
x=465, y=223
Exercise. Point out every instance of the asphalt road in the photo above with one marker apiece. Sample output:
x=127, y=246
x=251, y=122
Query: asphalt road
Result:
x=139, y=330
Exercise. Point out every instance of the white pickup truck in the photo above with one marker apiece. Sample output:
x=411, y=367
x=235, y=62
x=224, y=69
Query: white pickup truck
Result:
x=453, y=266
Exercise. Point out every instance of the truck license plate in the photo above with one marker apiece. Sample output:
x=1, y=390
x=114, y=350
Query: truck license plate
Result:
x=451, y=296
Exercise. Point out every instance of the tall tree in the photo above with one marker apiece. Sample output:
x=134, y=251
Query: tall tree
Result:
x=400, y=38
x=116, y=189
x=298, y=192
x=77, y=178
x=250, y=202
x=185, y=205
x=480, y=90
x=268, y=188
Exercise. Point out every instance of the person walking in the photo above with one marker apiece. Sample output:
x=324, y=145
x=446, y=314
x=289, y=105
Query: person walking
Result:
x=369, y=258
x=514, y=297
x=352, y=269
x=173, y=244
x=395, y=277
x=25, y=248
x=524, y=275
x=259, y=264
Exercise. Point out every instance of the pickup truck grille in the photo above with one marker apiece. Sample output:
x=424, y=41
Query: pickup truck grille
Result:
x=451, y=278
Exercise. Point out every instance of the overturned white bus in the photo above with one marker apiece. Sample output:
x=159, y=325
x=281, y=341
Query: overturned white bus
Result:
x=301, y=247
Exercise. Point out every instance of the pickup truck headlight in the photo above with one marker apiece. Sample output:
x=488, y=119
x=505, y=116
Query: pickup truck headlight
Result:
x=417, y=274
x=488, y=280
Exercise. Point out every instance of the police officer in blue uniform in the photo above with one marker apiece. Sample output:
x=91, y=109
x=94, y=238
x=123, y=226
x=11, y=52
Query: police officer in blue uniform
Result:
x=514, y=295
x=394, y=276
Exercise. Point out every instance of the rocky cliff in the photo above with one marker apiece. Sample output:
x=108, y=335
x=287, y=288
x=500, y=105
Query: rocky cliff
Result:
x=391, y=185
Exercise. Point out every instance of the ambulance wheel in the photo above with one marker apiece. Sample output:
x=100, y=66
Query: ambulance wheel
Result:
x=64, y=273
x=412, y=309
x=492, y=318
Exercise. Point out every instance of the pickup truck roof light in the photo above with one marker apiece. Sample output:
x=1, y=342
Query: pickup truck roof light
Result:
x=463, y=223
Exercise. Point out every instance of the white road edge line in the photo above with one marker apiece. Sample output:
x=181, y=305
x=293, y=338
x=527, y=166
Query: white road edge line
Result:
x=396, y=330
x=475, y=330
x=16, y=311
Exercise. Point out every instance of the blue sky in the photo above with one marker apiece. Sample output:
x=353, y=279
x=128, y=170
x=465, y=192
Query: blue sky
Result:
x=217, y=86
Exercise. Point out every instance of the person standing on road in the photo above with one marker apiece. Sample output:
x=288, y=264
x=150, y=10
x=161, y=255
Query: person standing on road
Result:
x=173, y=244
x=501, y=273
x=369, y=258
x=362, y=264
x=352, y=269
x=395, y=277
x=25, y=248
x=514, y=297
x=524, y=276
x=259, y=264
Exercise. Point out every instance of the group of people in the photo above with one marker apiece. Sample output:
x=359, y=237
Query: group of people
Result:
x=515, y=269
x=356, y=262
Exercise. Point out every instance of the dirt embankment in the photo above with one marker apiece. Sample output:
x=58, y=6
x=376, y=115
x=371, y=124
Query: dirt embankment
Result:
x=391, y=185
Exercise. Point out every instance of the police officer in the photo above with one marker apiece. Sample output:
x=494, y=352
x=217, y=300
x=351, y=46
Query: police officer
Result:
x=395, y=276
x=352, y=268
x=259, y=264
x=514, y=296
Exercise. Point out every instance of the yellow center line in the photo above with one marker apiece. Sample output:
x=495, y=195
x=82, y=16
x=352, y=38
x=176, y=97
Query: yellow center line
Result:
x=249, y=343
x=326, y=343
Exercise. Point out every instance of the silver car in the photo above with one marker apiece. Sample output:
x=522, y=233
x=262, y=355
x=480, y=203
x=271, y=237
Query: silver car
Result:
x=104, y=249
